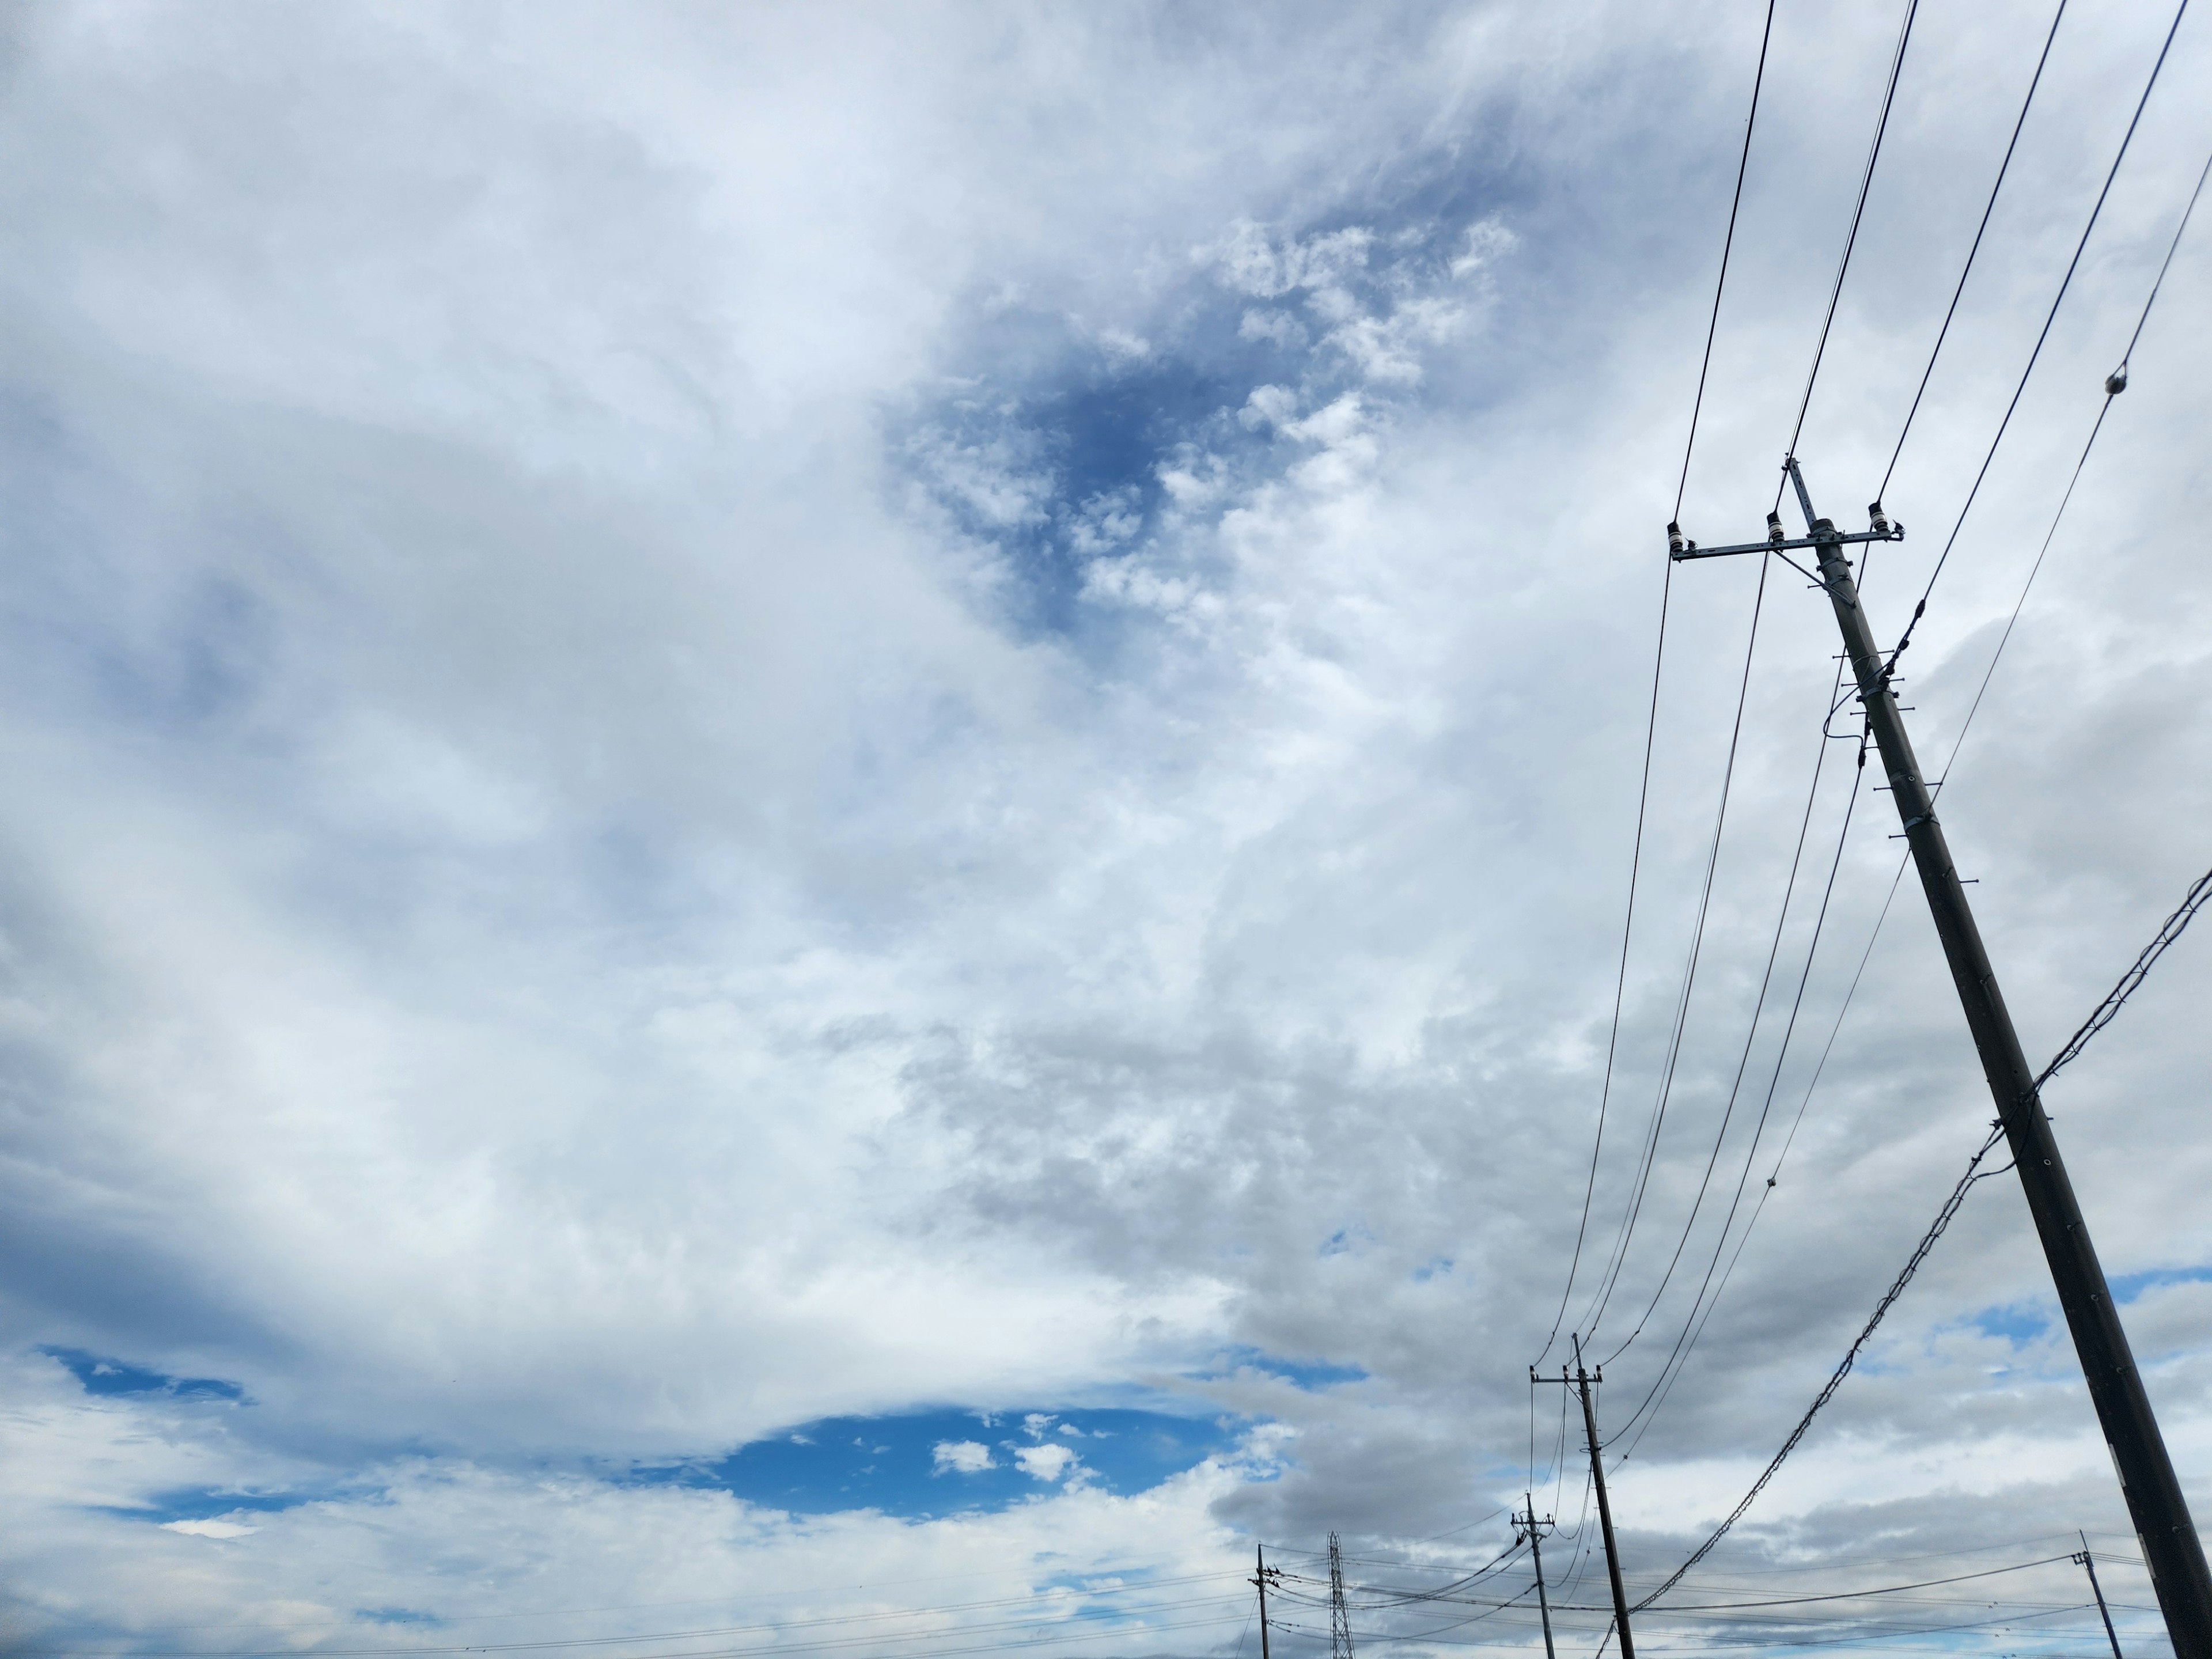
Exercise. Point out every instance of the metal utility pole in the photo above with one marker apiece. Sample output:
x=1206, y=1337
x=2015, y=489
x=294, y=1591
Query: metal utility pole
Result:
x=2170, y=1544
x=1527, y=1526
x=2098, y=1590
x=1260, y=1580
x=1340, y=1617
x=1581, y=1383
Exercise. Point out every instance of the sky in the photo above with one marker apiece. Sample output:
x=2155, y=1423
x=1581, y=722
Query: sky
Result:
x=820, y=819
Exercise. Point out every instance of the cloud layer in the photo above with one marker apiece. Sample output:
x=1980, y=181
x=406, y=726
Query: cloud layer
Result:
x=723, y=720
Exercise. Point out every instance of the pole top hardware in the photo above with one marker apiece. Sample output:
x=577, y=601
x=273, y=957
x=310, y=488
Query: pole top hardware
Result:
x=1679, y=547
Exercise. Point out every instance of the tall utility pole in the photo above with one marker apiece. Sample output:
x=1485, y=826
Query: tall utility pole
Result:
x=1527, y=1526
x=2170, y=1544
x=1260, y=1582
x=1340, y=1617
x=2098, y=1590
x=1580, y=1383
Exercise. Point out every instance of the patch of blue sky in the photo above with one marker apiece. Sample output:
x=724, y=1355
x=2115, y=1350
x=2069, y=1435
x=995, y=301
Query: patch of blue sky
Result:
x=930, y=1463
x=1309, y=1374
x=2017, y=1323
x=1066, y=470
x=1055, y=444
x=101, y=1376
x=210, y=1504
x=2126, y=1287
x=2035, y=1317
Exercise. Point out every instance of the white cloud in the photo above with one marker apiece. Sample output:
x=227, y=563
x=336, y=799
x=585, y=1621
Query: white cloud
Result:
x=1279, y=327
x=1049, y=1461
x=962, y=1456
x=209, y=1528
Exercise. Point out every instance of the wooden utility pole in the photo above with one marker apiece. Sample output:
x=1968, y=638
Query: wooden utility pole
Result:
x=1260, y=1580
x=1580, y=1383
x=2170, y=1545
x=1532, y=1529
x=2098, y=1590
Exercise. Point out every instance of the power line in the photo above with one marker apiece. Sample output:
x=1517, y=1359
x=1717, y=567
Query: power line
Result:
x=2115, y=383
x=1967, y=268
x=1743, y=1063
x=1866, y=181
x=1921, y=609
x=2129, y=983
x=1727, y=243
x=1620, y=982
x=1689, y=446
x=1687, y=1343
x=1689, y=977
x=1843, y=266
x=2132, y=981
x=2161, y=280
x=1920, y=1254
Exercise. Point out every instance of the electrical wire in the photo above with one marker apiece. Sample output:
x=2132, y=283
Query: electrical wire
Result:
x=2132, y=981
x=2165, y=262
x=2199, y=894
x=1620, y=982
x=1727, y=246
x=1858, y=212
x=2115, y=383
x=1689, y=978
x=1866, y=181
x=1944, y=1216
x=1951, y=541
x=1743, y=1065
x=1686, y=1344
x=1943, y=333
x=1682, y=484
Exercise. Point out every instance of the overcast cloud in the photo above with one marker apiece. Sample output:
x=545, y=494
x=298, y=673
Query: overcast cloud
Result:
x=736, y=728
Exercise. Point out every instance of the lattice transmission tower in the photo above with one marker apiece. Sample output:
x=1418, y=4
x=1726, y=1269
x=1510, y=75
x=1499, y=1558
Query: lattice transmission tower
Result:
x=1340, y=1619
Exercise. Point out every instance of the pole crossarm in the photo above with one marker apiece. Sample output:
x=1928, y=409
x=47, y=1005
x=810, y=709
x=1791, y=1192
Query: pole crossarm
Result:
x=1691, y=551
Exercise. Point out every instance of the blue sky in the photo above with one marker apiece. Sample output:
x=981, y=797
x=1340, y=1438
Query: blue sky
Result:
x=822, y=813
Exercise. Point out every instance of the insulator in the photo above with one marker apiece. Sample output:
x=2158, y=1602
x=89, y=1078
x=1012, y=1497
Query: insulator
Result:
x=1880, y=518
x=1674, y=541
x=1775, y=532
x=2116, y=382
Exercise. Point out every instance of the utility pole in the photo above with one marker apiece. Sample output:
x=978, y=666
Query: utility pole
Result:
x=1340, y=1617
x=2170, y=1544
x=1260, y=1580
x=1527, y=1526
x=1581, y=1384
x=2098, y=1590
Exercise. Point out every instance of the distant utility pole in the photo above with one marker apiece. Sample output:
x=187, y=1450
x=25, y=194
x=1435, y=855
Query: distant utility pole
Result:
x=1580, y=1383
x=1340, y=1617
x=2097, y=1590
x=1527, y=1526
x=1261, y=1573
x=2170, y=1544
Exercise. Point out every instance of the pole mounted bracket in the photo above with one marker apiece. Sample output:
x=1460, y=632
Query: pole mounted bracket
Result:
x=1679, y=547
